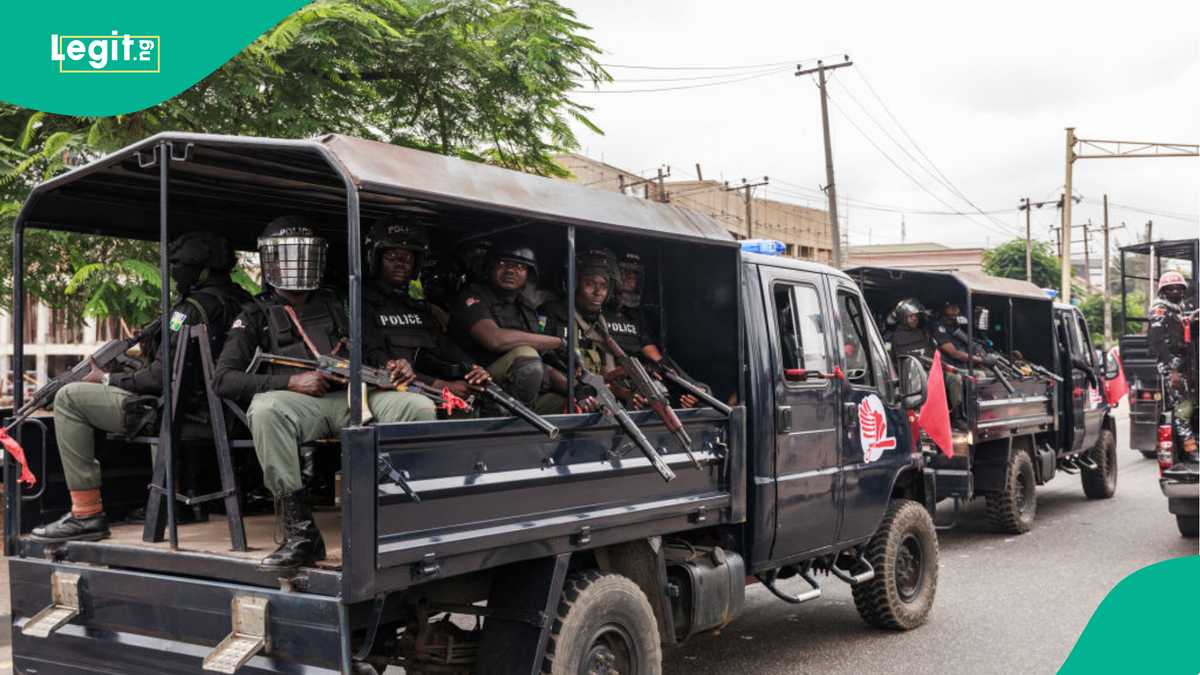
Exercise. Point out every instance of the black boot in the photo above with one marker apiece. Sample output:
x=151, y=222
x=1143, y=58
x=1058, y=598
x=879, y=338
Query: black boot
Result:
x=70, y=528
x=302, y=542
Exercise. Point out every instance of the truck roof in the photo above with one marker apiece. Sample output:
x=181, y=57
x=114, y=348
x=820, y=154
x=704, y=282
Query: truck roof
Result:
x=235, y=184
x=792, y=263
x=972, y=282
x=1166, y=248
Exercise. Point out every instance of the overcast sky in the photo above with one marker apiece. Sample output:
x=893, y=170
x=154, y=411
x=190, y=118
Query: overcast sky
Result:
x=985, y=90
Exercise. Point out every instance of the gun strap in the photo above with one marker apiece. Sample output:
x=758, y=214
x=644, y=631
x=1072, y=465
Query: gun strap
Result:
x=586, y=329
x=300, y=329
x=199, y=308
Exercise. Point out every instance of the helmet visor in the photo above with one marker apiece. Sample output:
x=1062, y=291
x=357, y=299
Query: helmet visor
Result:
x=293, y=263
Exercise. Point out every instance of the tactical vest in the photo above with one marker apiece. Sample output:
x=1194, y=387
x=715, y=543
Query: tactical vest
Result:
x=626, y=328
x=1165, y=337
x=324, y=321
x=512, y=314
x=406, y=325
x=911, y=342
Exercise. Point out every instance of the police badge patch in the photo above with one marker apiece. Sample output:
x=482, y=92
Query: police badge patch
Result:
x=177, y=321
x=472, y=301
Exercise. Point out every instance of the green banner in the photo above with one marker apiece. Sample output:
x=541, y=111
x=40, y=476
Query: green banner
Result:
x=110, y=58
x=1147, y=624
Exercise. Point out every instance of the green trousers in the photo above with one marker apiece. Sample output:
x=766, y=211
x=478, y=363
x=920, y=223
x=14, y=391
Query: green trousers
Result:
x=80, y=408
x=280, y=421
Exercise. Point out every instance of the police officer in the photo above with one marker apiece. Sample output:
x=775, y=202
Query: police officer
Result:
x=400, y=327
x=907, y=335
x=950, y=339
x=290, y=406
x=1168, y=341
x=200, y=264
x=494, y=323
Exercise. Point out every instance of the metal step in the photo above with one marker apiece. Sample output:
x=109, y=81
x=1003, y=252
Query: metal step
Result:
x=64, y=606
x=248, y=637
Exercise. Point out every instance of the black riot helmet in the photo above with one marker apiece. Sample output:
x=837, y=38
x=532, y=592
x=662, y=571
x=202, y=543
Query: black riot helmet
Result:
x=629, y=265
x=196, y=256
x=395, y=232
x=904, y=309
x=513, y=250
x=292, y=254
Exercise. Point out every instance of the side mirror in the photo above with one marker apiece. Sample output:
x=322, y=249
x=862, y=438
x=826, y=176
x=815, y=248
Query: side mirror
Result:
x=912, y=383
x=1111, y=367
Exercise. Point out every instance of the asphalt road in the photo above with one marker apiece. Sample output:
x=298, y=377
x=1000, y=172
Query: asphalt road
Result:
x=1004, y=603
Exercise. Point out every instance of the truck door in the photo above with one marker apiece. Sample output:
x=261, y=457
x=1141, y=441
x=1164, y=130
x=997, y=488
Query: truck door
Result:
x=874, y=431
x=1094, y=404
x=806, y=412
x=1076, y=383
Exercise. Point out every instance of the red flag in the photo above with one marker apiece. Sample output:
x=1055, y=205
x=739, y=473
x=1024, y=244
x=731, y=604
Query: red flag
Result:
x=934, y=418
x=1117, y=387
x=12, y=447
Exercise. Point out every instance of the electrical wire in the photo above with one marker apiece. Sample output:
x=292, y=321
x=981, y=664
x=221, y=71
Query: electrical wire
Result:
x=717, y=76
x=749, y=66
x=1190, y=218
x=690, y=86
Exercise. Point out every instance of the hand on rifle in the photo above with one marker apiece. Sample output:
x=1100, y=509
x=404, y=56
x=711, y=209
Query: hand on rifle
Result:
x=688, y=401
x=310, y=383
x=95, y=374
x=401, y=371
x=585, y=399
x=1176, y=379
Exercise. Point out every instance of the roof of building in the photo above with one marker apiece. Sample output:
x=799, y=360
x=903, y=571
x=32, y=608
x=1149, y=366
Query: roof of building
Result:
x=916, y=247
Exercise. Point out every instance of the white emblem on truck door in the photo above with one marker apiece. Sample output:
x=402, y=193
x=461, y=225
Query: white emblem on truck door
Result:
x=872, y=429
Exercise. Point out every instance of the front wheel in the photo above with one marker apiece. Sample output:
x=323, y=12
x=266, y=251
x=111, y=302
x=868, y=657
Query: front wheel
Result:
x=605, y=625
x=904, y=553
x=1189, y=526
x=1013, y=510
x=1101, y=483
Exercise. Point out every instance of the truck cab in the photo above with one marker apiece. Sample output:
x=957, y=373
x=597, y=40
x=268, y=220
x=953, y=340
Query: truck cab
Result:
x=569, y=551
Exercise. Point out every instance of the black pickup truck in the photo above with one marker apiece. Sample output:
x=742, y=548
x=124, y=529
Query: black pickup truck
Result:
x=1141, y=265
x=1017, y=438
x=524, y=553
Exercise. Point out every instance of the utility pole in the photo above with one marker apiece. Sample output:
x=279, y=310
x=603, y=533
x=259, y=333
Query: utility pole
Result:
x=1087, y=256
x=1103, y=149
x=645, y=183
x=747, y=187
x=903, y=234
x=1107, y=287
x=699, y=174
x=1064, y=241
x=1149, y=230
x=1028, y=241
x=830, y=185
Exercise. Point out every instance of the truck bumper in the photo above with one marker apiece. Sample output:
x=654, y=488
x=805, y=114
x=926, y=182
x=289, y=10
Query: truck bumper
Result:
x=132, y=622
x=1181, y=486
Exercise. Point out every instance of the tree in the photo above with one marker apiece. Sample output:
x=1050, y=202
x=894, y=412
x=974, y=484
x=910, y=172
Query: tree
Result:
x=485, y=80
x=1008, y=260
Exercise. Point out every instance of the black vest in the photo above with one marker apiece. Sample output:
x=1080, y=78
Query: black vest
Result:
x=911, y=342
x=404, y=325
x=323, y=318
x=625, y=326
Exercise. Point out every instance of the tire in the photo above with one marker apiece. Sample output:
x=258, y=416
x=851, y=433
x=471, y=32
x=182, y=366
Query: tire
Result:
x=1013, y=510
x=1101, y=483
x=904, y=553
x=1189, y=526
x=1149, y=454
x=604, y=624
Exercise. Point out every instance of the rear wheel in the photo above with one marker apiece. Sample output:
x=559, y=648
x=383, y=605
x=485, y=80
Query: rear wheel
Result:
x=904, y=553
x=1189, y=526
x=1149, y=454
x=1102, y=482
x=604, y=626
x=1013, y=510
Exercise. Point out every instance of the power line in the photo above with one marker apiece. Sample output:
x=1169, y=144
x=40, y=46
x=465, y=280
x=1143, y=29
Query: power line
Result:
x=1190, y=218
x=691, y=86
x=749, y=66
x=908, y=175
x=940, y=176
x=685, y=79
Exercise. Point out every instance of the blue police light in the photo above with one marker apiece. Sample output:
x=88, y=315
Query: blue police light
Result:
x=1051, y=293
x=763, y=246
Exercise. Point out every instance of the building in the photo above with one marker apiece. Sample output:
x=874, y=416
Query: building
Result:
x=804, y=231
x=923, y=256
x=54, y=342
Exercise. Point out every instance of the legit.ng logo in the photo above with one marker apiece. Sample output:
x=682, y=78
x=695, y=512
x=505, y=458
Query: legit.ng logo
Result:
x=115, y=53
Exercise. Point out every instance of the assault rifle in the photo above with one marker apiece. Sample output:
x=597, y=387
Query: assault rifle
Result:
x=1040, y=370
x=109, y=356
x=339, y=369
x=996, y=361
x=610, y=405
x=672, y=373
x=652, y=390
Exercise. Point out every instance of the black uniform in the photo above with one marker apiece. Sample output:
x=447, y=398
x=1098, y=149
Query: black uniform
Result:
x=264, y=324
x=904, y=341
x=942, y=335
x=401, y=327
x=479, y=302
x=628, y=328
x=215, y=305
x=1168, y=343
